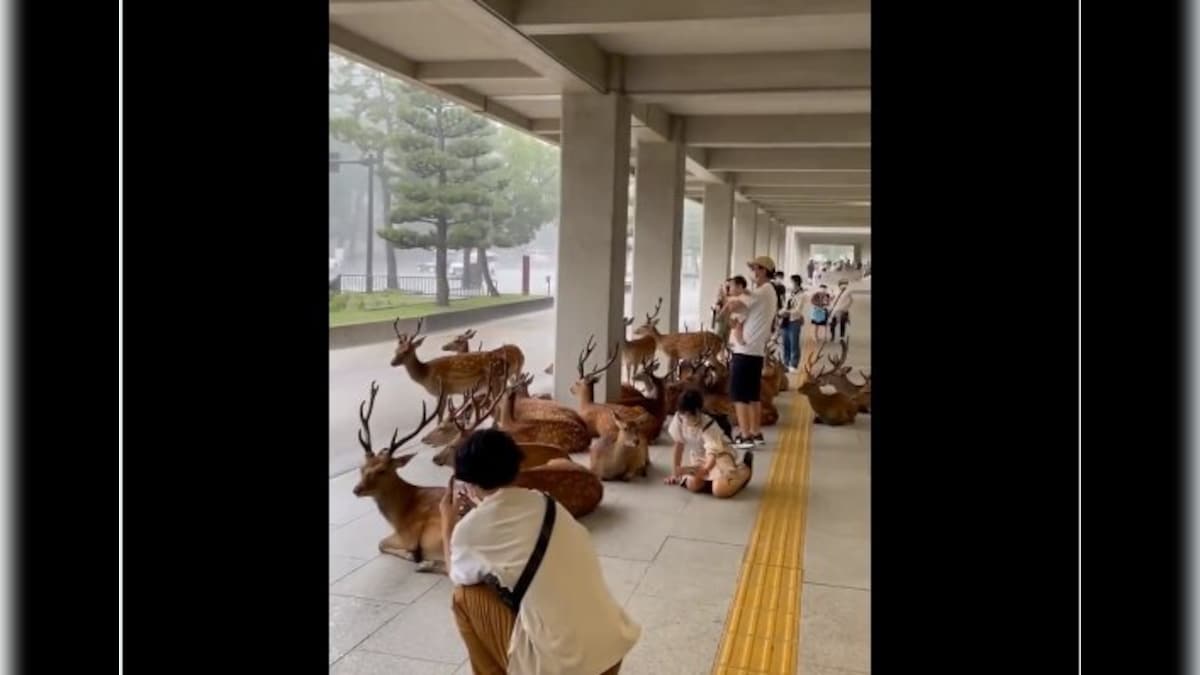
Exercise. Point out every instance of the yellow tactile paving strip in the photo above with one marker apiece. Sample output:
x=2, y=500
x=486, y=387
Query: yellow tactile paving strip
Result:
x=763, y=626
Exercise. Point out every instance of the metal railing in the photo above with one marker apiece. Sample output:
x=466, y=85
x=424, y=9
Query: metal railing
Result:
x=408, y=285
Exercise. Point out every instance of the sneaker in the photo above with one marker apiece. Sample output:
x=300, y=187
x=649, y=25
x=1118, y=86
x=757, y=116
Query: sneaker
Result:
x=742, y=443
x=759, y=440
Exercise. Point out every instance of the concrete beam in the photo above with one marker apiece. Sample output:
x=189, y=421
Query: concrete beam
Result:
x=798, y=193
x=554, y=17
x=576, y=62
x=654, y=123
x=348, y=7
x=458, y=72
x=696, y=160
x=791, y=159
x=358, y=48
x=780, y=131
x=848, y=69
x=805, y=179
x=546, y=126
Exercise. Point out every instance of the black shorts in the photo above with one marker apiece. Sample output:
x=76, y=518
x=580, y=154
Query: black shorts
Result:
x=745, y=378
x=841, y=319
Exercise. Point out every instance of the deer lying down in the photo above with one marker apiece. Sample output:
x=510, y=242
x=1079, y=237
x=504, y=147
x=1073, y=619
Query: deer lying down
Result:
x=834, y=409
x=544, y=467
x=596, y=415
x=839, y=379
x=625, y=456
x=412, y=511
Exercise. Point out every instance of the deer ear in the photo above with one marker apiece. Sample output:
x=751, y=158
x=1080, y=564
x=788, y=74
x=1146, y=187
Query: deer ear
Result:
x=418, y=342
x=402, y=460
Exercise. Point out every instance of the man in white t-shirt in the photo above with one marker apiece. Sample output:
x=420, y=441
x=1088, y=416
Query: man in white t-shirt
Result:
x=567, y=621
x=745, y=368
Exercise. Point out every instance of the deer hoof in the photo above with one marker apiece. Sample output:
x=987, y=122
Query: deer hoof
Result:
x=432, y=567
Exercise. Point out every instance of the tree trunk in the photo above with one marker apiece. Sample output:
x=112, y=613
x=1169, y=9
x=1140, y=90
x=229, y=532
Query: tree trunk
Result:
x=393, y=282
x=468, y=278
x=487, y=273
x=443, y=286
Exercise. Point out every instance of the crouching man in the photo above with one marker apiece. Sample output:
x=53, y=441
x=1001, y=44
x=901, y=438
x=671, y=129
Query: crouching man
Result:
x=529, y=596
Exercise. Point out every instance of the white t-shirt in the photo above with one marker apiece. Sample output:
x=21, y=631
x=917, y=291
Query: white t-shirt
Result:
x=842, y=303
x=700, y=443
x=761, y=307
x=551, y=635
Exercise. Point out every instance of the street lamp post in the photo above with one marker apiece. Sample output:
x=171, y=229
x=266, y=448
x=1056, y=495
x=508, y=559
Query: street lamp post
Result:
x=335, y=162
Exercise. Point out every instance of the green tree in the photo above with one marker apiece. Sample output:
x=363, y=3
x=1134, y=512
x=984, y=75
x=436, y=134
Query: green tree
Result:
x=445, y=152
x=365, y=109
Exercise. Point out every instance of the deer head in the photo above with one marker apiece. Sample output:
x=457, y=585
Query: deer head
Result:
x=588, y=378
x=646, y=374
x=651, y=325
x=461, y=344
x=406, y=345
x=627, y=430
x=379, y=468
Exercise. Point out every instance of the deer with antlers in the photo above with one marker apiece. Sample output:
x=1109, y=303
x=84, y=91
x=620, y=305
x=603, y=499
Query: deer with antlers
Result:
x=596, y=415
x=412, y=511
x=544, y=467
x=677, y=346
x=834, y=409
x=839, y=378
x=454, y=374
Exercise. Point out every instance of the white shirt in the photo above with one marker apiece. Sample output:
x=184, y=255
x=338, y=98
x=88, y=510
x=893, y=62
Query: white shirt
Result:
x=842, y=303
x=795, y=305
x=568, y=623
x=760, y=316
x=700, y=443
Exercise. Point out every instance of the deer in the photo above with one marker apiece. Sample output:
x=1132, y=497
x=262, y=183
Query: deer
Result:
x=543, y=467
x=834, y=409
x=461, y=344
x=655, y=398
x=623, y=457
x=637, y=350
x=464, y=420
x=454, y=374
x=677, y=345
x=570, y=434
x=595, y=415
x=839, y=378
x=411, y=510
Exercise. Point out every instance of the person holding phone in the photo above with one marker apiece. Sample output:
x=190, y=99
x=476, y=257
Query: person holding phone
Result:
x=529, y=596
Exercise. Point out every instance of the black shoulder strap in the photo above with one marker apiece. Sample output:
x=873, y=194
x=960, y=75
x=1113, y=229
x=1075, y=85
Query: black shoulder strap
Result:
x=535, y=558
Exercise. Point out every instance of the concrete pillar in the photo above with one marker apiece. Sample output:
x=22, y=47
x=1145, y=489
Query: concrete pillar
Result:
x=591, y=238
x=658, y=228
x=762, y=236
x=777, y=247
x=865, y=252
x=743, y=236
x=716, y=245
x=857, y=252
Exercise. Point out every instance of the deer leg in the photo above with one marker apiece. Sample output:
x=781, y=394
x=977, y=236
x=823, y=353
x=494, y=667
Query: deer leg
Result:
x=432, y=567
x=392, y=546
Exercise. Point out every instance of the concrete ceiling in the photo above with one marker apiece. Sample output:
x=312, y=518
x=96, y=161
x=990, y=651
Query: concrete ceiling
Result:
x=774, y=95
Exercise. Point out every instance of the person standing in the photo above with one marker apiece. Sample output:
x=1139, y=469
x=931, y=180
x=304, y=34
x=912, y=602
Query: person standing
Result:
x=746, y=365
x=839, y=316
x=818, y=311
x=795, y=324
x=812, y=264
x=523, y=567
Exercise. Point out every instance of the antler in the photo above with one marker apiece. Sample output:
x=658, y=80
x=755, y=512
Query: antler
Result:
x=587, y=353
x=812, y=361
x=650, y=318
x=628, y=321
x=469, y=335
x=839, y=361
x=364, y=434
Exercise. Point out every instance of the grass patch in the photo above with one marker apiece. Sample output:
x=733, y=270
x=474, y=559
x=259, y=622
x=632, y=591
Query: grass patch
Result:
x=351, y=308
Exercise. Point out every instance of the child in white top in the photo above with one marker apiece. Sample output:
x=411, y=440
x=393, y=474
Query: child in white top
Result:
x=713, y=466
x=737, y=320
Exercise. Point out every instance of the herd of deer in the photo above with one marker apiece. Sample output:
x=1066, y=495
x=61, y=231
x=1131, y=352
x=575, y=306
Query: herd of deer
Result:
x=492, y=385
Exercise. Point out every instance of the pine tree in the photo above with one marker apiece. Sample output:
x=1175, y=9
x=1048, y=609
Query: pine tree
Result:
x=445, y=154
